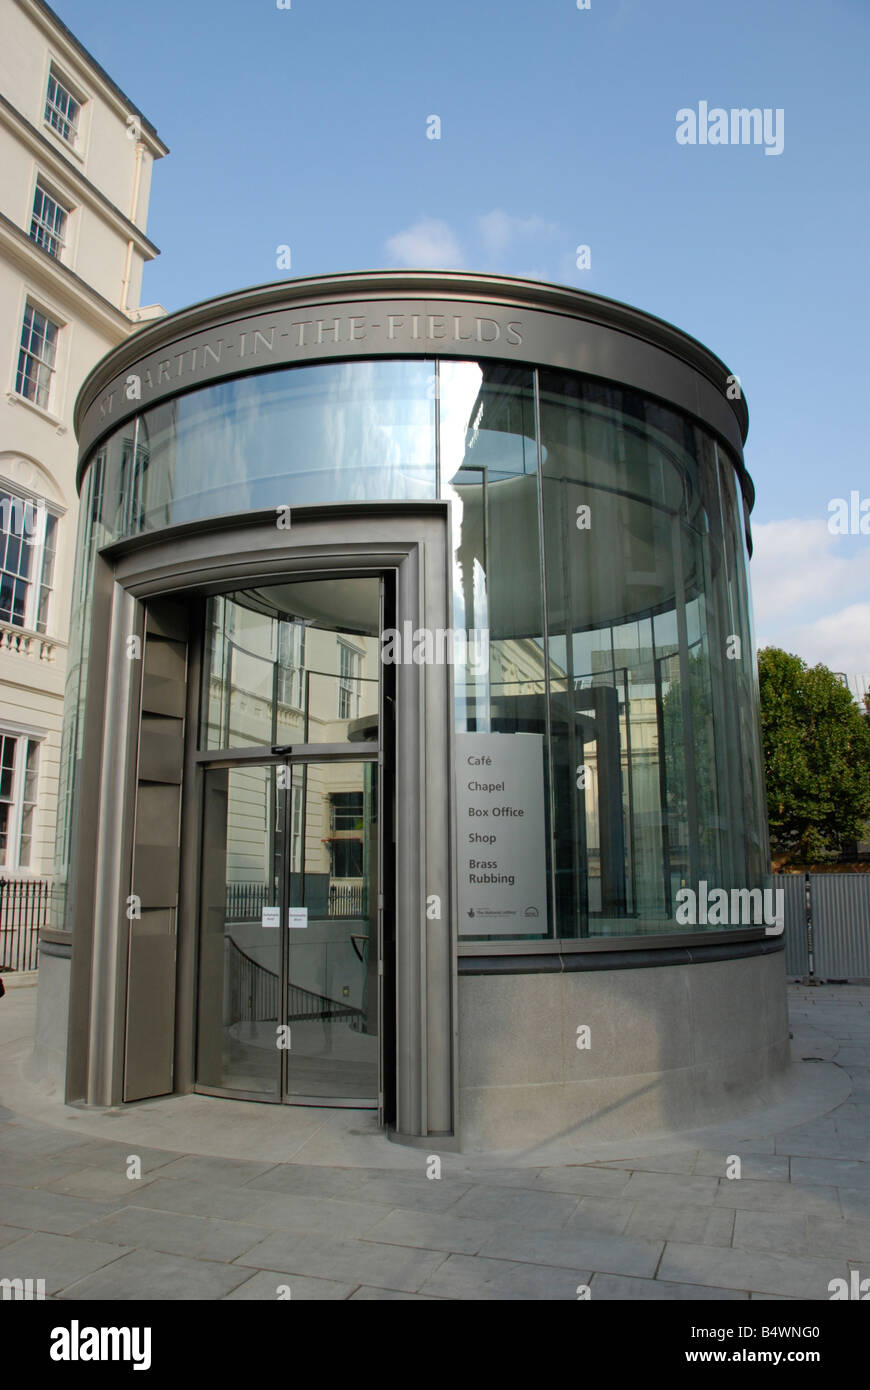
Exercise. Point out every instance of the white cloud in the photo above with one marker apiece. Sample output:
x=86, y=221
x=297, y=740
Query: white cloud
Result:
x=498, y=230
x=428, y=244
x=841, y=640
x=811, y=593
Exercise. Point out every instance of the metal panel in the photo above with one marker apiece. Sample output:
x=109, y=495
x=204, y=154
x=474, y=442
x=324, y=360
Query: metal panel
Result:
x=841, y=926
x=151, y=1008
x=163, y=695
x=161, y=749
x=149, y=1045
x=797, y=955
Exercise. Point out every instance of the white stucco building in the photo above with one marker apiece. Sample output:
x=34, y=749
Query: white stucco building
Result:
x=77, y=156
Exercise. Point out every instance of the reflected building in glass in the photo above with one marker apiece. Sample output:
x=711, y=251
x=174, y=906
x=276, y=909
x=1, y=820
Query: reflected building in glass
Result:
x=412, y=722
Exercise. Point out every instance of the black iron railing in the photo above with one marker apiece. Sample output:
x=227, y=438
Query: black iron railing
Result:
x=245, y=901
x=346, y=900
x=23, y=910
x=254, y=991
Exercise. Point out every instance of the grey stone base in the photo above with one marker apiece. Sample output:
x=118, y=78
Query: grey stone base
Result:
x=52, y=1012
x=669, y=1048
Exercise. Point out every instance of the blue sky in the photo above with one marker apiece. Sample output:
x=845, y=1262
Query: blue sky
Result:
x=307, y=127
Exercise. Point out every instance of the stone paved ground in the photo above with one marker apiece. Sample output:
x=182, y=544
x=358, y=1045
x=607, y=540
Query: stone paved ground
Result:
x=662, y=1223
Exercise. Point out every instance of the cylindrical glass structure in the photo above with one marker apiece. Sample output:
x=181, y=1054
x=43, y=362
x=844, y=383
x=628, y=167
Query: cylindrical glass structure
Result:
x=599, y=535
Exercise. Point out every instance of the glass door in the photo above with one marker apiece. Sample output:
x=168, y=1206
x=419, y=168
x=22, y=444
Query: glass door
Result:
x=332, y=937
x=240, y=942
x=289, y=936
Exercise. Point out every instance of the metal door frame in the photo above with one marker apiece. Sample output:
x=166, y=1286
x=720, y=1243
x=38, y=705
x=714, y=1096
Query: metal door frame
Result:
x=301, y=755
x=409, y=538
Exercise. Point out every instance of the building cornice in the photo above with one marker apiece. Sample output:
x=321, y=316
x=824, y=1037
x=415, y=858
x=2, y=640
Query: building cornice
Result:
x=505, y=290
x=58, y=280
x=75, y=51
x=57, y=163
x=407, y=314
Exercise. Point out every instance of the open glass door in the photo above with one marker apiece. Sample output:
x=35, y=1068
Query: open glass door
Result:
x=291, y=888
x=240, y=942
x=332, y=934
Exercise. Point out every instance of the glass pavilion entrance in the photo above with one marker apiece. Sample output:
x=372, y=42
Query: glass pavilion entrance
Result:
x=291, y=898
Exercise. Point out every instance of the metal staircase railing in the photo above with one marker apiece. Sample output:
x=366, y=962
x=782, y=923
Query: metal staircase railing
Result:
x=254, y=990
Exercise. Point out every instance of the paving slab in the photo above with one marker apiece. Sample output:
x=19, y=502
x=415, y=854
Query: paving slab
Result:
x=758, y=1166
x=239, y=1201
x=59, y=1260
x=150, y=1275
x=220, y=1172
x=619, y=1286
x=199, y=1237
x=8, y=1234
x=520, y=1207
x=608, y=1254
x=114, y=1157
x=584, y=1182
x=38, y=1210
x=349, y=1261
x=198, y=1199
x=692, y=1224
x=101, y=1184
x=747, y=1194
x=28, y=1170
x=367, y=1294
x=326, y=1216
x=610, y=1215
x=831, y=1172
x=671, y=1187
x=307, y=1180
x=680, y=1161
x=264, y=1287
x=750, y=1270
x=432, y=1231
x=476, y=1278
x=855, y=1202
x=39, y=1142
x=399, y=1190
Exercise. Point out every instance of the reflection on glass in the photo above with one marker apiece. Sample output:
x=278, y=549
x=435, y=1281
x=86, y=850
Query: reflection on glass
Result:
x=489, y=469
x=291, y=663
x=238, y=999
x=332, y=967
x=288, y=932
x=626, y=638
x=642, y=693
x=340, y=432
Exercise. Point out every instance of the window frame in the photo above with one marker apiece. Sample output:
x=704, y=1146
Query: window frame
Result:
x=57, y=73
x=290, y=678
x=31, y=304
x=61, y=237
x=30, y=740
x=35, y=619
x=349, y=684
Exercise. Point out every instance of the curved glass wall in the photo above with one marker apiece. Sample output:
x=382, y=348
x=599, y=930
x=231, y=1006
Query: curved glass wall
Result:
x=599, y=579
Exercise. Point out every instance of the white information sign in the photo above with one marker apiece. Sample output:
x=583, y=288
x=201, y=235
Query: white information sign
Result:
x=271, y=917
x=297, y=917
x=502, y=860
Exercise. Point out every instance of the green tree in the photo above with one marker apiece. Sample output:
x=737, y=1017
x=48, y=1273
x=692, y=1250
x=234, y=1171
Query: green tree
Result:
x=816, y=758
